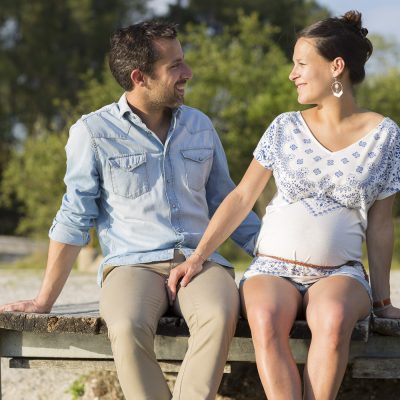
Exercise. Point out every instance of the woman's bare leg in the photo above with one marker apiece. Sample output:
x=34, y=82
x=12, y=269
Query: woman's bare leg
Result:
x=271, y=304
x=333, y=306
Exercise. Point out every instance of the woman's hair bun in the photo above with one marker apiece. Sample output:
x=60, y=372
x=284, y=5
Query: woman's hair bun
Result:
x=342, y=37
x=364, y=31
x=353, y=18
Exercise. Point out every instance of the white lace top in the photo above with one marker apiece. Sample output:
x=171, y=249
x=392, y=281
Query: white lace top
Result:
x=319, y=213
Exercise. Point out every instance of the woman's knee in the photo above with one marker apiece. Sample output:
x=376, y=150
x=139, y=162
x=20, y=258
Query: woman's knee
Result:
x=332, y=324
x=268, y=324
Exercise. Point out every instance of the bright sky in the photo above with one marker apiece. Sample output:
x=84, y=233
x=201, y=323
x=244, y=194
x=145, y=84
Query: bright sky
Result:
x=381, y=16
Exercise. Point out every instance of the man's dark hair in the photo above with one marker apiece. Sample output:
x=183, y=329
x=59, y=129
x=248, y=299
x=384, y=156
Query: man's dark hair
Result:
x=133, y=48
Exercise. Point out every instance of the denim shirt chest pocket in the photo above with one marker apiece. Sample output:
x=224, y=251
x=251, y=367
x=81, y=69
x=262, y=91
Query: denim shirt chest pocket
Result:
x=198, y=163
x=129, y=176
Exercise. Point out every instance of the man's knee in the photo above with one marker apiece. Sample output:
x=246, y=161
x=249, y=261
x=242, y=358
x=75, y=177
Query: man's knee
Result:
x=130, y=330
x=218, y=319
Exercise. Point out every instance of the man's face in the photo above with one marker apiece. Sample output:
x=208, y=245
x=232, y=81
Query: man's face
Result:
x=166, y=84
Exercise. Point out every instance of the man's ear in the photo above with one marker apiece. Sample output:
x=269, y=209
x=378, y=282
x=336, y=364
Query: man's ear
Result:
x=338, y=65
x=137, y=77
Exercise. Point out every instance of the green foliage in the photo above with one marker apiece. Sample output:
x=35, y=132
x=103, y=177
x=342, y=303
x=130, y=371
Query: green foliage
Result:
x=98, y=93
x=34, y=177
x=77, y=389
x=46, y=46
x=241, y=82
x=381, y=94
x=288, y=16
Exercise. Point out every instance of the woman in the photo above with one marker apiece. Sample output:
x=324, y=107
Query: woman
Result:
x=337, y=169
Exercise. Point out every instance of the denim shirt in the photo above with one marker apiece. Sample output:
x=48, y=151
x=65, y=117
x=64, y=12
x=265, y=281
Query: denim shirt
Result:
x=145, y=198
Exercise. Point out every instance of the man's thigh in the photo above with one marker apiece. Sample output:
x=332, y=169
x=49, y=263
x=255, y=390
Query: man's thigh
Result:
x=133, y=293
x=213, y=290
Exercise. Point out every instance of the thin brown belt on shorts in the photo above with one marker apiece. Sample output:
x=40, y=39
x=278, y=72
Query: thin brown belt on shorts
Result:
x=303, y=264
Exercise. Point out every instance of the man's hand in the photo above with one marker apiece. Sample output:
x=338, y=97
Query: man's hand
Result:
x=390, y=312
x=28, y=306
x=185, y=271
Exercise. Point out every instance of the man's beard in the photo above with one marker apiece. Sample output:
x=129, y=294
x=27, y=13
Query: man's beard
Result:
x=170, y=100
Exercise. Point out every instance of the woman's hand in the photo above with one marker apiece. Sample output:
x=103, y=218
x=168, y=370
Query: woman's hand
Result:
x=389, y=312
x=185, y=271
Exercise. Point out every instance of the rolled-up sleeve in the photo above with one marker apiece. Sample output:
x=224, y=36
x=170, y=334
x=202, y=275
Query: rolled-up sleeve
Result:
x=219, y=185
x=79, y=208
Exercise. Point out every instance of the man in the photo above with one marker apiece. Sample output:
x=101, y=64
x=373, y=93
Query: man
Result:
x=148, y=172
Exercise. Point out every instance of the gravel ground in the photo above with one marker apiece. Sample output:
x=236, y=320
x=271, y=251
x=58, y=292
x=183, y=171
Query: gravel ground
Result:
x=48, y=384
x=41, y=384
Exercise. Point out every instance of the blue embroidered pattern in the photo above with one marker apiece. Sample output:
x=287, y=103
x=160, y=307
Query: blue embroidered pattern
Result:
x=370, y=172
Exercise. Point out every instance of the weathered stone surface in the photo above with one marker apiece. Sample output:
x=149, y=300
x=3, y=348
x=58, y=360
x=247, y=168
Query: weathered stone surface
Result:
x=376, y=367
x=386, y=326
x=84, y=319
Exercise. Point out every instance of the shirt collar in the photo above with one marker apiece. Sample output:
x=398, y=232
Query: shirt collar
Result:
x=124, y=108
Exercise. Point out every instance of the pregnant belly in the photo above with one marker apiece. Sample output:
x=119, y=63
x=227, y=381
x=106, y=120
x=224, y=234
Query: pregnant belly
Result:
x=292, y=232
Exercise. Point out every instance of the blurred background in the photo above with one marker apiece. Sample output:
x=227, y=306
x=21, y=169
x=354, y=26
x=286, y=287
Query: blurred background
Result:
x=53, y=69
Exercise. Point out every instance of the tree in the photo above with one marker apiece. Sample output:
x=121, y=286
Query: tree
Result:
x=289, y=16
x=241, y=82
x=46, y=48
x=382, y=94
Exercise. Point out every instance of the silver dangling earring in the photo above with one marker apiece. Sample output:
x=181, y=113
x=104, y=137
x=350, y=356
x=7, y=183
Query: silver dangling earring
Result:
x=337, y=88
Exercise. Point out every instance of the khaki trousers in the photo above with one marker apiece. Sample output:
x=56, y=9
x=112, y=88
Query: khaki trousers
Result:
x=133, y=298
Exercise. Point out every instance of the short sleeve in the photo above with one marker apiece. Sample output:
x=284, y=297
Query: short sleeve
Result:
x=391, y=184
x=264, y=152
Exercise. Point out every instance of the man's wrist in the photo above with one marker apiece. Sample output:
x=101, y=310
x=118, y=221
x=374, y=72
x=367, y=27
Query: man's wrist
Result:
x=43, y=305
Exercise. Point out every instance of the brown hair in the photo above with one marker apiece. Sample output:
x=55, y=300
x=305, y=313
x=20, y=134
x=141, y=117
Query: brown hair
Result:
x=342, y=37
x=133, y=48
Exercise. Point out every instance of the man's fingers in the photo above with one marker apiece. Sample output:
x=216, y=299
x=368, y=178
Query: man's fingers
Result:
x=20, y=306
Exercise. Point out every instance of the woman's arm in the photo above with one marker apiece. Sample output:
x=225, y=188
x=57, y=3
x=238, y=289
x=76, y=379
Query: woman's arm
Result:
x=380, y=248
x=232, y=211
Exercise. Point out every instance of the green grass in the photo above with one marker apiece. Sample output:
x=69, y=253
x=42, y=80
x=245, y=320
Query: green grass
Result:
x=77, y=388
x=34, y=261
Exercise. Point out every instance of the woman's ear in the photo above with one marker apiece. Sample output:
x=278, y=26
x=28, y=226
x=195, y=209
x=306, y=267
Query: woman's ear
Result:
x=337, y=66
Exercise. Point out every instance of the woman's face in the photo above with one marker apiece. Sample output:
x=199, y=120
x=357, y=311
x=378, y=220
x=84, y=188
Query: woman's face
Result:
x=311, y=73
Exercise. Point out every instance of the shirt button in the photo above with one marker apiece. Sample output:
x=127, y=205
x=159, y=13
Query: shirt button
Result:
x=173, y=205
x=200, y=159
x=168, y=180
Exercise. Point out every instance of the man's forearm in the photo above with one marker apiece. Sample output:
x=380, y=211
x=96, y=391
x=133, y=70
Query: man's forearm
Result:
x=61, y=257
